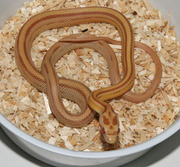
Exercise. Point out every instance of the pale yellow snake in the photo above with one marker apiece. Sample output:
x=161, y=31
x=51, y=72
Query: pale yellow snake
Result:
x=72, y=90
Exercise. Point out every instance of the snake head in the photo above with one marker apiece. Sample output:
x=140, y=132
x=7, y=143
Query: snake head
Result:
x=109, y=125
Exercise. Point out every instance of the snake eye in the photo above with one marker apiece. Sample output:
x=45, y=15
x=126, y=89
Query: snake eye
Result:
x=102, y=130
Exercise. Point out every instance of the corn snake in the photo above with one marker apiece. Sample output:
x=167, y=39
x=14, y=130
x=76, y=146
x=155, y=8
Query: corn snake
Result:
x=68, y=88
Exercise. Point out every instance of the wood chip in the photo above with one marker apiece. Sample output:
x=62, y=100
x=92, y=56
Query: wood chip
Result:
x=52, y=140
x=148, y=5
x=46, y=104
x=28, y=109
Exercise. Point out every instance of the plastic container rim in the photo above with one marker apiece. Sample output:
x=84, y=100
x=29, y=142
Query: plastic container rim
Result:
x=105, y=154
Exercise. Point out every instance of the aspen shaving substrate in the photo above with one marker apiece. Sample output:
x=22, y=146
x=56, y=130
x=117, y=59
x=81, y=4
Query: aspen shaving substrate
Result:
x=28, y=109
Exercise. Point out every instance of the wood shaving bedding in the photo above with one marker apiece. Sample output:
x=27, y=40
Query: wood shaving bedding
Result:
x=28, y=108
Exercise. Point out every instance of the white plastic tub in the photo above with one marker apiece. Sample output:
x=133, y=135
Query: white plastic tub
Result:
x=58, y=156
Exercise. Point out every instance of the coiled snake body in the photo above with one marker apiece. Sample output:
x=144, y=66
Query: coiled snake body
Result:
x=55, y=88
